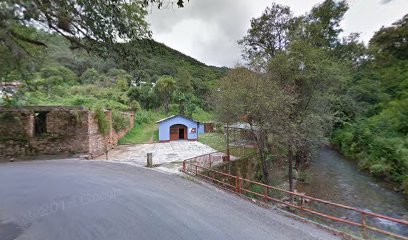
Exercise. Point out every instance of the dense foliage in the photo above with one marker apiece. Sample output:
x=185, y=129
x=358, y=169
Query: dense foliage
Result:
x=288, y=92
x=302, y=79
x=59, y=75
x=376, y=129
x=317, y=81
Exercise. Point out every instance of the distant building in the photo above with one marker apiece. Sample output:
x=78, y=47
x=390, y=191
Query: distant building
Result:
x=9, y=89
x=178, y=127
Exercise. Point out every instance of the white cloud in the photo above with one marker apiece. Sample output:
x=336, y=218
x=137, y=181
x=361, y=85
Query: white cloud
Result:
x=208, y=30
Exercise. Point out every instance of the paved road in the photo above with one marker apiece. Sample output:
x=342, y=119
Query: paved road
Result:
x=162, y=152
x=77, y=200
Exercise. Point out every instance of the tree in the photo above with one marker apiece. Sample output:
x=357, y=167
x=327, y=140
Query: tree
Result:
x=148, y=97
x=91, y=76
x=134, y=93
x=268, y=35
x=277, y=28
x=322, y=25
x=165, y=86
x=376, y=132
x=183, y=81
x=184, y=89
x=393, y=40
x=313, y=77
x=267, y=107
x=81, y=22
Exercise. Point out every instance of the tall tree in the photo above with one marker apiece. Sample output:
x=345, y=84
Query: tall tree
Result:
x=393, y=40
x=184, y=89
x=268, y=35
x=313, y=77
x=322, y=24
x=266, y=107
x=165, y=86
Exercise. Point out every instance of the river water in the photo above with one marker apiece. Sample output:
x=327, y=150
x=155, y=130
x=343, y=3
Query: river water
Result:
x=334, y=178
x=337, y=179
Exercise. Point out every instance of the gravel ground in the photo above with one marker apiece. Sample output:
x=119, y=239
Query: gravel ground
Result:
x=168, y=155
x=88, y=200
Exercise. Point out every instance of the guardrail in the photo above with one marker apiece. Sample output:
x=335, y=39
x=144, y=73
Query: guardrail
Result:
x=201, y=166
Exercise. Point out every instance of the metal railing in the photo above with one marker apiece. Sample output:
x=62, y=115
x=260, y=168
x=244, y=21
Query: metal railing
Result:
x=218, y=157
x=201, y=166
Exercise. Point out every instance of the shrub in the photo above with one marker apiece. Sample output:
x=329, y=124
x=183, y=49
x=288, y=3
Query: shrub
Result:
x=405, y=186
x=79, y=100
x=144, y=117
x=119, y=121
x=103, y=123
x=90, y=76
x=135, y=106
x=304, y=176
x=377, y=170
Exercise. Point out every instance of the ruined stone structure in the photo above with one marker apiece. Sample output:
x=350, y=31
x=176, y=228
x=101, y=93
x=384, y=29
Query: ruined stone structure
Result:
x=45, y=130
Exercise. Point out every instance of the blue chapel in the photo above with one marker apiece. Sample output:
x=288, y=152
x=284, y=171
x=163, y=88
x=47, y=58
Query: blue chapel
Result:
x=178, y=127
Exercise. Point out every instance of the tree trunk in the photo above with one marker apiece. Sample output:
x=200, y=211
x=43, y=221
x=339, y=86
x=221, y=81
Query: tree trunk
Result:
x=166, y=104
x=261, y=143
x=265, y=173
x=290, y=172
x=262, y=156
x=297, y=161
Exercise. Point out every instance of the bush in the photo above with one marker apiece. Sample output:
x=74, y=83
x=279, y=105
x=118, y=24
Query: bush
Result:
x=135, y=106
x=90, y=76
x=143, y=117
x=304, y=176
x=377, y=170
x=103, y=123
x=66, y=75
x=405, y=186
x=81, y=101
x=119, y=121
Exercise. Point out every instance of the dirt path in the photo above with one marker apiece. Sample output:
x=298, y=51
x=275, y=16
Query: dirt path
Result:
x=151, y=140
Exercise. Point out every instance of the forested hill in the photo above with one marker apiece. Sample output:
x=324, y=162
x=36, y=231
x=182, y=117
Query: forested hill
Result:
x=157, y=59
x=123, y=78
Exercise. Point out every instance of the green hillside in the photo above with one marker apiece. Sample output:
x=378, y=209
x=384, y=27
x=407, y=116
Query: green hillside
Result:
x=122, y=79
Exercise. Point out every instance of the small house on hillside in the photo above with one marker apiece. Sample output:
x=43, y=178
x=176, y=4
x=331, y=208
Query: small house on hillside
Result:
x=178, y=127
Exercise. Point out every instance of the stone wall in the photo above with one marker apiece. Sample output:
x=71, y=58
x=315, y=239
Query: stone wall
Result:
x=68, y=131
x=98, y=143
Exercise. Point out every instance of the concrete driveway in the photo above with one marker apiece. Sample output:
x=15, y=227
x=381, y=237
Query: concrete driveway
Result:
x=87, y=200
x=168, y=155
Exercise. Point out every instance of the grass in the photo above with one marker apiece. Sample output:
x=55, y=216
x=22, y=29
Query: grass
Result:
x=217, y=141
x=145, y=131
x=203, y=116
x=214, y=140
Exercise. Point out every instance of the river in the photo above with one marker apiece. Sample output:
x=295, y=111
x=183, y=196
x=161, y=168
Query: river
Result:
x=337, y=179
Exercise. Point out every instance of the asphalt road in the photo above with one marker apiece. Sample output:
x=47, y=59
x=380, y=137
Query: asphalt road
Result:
x=73, y=199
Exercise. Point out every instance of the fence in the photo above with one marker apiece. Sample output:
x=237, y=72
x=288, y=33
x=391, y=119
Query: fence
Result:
x=216, y=158
x=201, y=166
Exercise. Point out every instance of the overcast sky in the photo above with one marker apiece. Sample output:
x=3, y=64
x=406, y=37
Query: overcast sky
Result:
x=208, y=30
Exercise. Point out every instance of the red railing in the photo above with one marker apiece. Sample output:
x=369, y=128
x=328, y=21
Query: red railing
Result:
x=201, y=166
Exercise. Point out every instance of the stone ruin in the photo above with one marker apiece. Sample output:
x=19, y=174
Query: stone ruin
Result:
x=31, y=131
